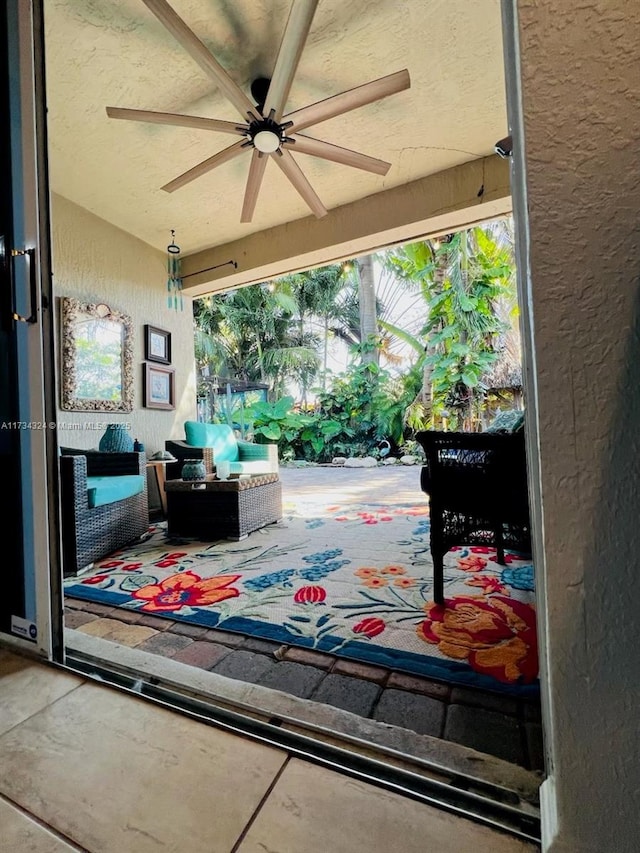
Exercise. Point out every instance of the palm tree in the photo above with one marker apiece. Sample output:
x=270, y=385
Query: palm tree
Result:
x=361, y=321
x=248, y=335
x=318, y=297
x=368, y=311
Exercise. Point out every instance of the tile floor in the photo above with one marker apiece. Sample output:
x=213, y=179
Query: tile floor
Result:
x=87, y=768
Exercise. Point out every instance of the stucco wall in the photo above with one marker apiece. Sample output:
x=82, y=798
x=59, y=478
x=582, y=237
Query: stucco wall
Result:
x=95, y=262
x=581, y=105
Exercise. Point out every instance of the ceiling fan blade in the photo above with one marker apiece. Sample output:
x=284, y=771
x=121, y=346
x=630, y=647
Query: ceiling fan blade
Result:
x=197, y=50
x=295, y=35
x=327, y=151
x=256, y=173
x=350, y=100
x=204, y=167
x=175, y=120
x=302, y=185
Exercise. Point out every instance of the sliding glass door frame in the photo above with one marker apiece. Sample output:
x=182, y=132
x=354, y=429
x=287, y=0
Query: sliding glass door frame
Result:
x=33, y=618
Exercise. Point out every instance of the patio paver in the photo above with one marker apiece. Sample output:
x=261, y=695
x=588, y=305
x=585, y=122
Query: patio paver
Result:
x=255, y=644
x=421, y=714
x=350, y=694
x=153, y=622
x=118, y=632
x=293, y=678
x=196, y=632
x=167, y=644
x=202, y=654
x=484, y=699
x=360, y=670
x=486, y=731
x=402, y=681
x=246, y=666
x=308, y=656
x=224, y=637
x=76, y=618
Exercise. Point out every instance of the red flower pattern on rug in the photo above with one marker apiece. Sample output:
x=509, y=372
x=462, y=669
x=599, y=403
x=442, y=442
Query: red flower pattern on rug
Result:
x=497, y=636
x=370, y=627
x=310, y=595
x=472, y=563
x=188, y=589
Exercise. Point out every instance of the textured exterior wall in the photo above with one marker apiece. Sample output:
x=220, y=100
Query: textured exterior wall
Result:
x=96, y=262
x=581, y=99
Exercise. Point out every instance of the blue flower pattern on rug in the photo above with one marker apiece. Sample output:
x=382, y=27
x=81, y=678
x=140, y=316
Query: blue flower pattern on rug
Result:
x=269, y=580
x=520, y=577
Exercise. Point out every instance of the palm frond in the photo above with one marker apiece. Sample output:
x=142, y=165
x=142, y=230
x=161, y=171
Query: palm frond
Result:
x=415, y=343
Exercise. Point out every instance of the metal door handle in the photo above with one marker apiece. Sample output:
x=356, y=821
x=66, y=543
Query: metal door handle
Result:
x=33, y=286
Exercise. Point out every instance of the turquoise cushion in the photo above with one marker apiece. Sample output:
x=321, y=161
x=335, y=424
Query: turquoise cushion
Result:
x=107, y=490
x=220, y=437
x=509, y=421
x=248, y=452
x=255, y=467
x=195, y=433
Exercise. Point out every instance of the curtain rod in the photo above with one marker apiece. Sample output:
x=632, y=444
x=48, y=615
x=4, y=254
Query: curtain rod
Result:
x=209, y=269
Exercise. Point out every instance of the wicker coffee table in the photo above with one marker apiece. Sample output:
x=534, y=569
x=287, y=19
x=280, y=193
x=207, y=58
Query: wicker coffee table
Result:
x=222, y=509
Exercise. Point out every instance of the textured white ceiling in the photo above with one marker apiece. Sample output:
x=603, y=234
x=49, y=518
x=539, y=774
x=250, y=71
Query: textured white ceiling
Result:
x=117, y=53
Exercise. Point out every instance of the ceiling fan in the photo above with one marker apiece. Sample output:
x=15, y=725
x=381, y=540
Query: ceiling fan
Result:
x=266, y=130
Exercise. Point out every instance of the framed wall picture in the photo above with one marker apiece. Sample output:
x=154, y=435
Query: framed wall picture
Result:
x=158, y=387
x=157, y=345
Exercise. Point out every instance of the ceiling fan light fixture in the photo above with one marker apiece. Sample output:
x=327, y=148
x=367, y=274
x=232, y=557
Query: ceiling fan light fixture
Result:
x=267, y=123
x=266, y=141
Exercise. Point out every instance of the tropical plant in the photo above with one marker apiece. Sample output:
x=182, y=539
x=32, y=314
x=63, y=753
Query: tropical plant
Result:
x=462, y=281
x=317, y=294
x=364, y=316
x=275, y=422
x=280, y=334
x=249, y=335
x=399, y=416
x=365, y=404
x=297, y=434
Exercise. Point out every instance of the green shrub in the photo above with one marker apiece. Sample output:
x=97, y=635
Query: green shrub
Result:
x=363, y=407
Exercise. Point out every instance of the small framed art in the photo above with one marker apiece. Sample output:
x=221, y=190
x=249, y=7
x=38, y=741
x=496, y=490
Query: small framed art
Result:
x=158, y=387
x=157, y=345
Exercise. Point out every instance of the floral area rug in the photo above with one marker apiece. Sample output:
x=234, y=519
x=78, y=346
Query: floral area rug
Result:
x=354, y=581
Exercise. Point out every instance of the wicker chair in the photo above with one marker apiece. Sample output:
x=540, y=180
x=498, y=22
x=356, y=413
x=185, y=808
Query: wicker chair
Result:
x=91, y=533
x=247, y=457
x=478, y=493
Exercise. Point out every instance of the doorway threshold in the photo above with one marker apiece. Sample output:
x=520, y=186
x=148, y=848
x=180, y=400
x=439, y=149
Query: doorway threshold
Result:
x=453, y=776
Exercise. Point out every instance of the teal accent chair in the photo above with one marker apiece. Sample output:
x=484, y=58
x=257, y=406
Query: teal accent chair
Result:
x=104, y=504
x=216, y=443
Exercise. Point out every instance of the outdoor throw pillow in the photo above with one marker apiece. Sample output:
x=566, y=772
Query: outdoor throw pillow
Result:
x=219, y=437
x=509, y=421
x=195, y=433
